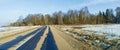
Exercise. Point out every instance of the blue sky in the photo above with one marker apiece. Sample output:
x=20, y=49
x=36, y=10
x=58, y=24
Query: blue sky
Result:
x=10, y=10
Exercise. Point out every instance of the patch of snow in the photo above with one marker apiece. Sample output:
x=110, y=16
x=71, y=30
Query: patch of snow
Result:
x=6, y=29
x=111, y=29
x=66, y=28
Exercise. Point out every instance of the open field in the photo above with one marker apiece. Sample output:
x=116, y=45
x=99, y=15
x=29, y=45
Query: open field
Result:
x=101, y=37
x=61, y=37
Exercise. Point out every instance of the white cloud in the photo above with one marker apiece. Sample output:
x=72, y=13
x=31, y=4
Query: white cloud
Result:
x=93, y=2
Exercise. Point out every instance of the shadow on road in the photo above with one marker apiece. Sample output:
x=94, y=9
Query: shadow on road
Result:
x=11, y=43
x=49, y=43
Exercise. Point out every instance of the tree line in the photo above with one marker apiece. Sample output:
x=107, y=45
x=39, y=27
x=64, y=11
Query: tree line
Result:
x=72, y=17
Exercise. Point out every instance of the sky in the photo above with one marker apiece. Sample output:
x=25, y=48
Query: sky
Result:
x=10, y=10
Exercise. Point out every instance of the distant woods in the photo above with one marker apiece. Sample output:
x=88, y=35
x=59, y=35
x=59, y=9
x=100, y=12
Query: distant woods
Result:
x=72, y=17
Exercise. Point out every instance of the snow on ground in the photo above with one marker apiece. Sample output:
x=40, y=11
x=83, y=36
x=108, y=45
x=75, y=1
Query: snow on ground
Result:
x=6, y=29
x=111, y=29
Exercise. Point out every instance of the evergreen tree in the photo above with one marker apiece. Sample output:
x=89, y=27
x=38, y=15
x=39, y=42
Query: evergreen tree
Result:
x=117, y=15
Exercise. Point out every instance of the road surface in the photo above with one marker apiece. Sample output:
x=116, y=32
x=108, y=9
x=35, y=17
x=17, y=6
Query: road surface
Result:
x=31, y=44
x=52, y=39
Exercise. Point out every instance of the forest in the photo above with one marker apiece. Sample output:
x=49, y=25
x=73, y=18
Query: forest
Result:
x=72, y=17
